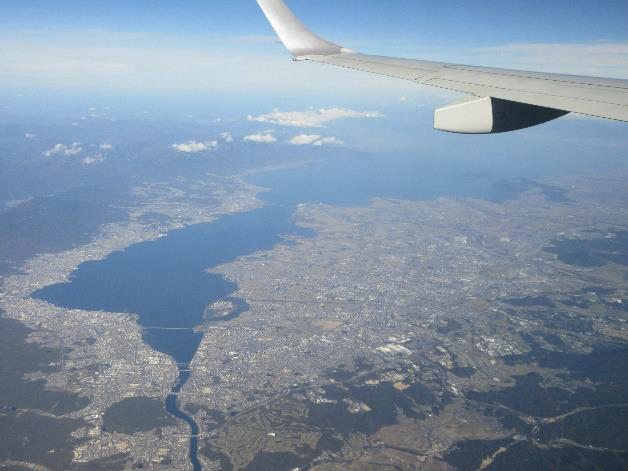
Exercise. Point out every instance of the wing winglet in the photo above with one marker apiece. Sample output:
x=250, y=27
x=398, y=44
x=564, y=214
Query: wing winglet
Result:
x=299, y=40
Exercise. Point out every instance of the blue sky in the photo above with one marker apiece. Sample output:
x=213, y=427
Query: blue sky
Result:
x=481, y=22
x=221, y=58
x=227, y=46
x=219, y=62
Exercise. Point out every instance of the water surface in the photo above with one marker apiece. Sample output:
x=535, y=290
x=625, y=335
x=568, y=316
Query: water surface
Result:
x=166, y=281
x=354, y=181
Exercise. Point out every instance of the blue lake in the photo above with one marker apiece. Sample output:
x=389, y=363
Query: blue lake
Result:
x=166, y=281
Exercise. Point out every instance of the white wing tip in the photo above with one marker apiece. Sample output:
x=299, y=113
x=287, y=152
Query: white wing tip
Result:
x=299, y=40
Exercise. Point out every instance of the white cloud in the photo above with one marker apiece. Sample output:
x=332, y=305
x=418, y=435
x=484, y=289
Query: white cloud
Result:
x=262, y=138
x=106, y=146
x=61, y=149
x=328, y=140
x=226, y=136
x=93, y=159
x=29, y=135
x=312, y=118
x=314, y=140
x=192, y=147
x=304, y=139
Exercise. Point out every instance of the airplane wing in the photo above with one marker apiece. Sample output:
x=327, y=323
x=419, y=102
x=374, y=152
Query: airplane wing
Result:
x=502, y=99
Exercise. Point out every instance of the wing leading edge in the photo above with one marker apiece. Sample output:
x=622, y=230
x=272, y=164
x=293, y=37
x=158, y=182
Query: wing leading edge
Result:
x=503, y=99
